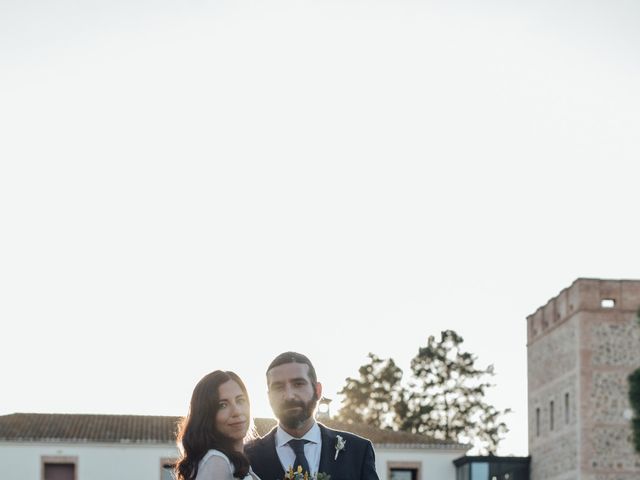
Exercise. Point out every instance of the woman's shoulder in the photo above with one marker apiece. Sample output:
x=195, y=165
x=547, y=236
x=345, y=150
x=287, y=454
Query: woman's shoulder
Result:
x=214, y=464
x=214, y=453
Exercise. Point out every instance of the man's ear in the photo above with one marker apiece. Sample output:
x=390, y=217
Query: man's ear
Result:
x=319, y=390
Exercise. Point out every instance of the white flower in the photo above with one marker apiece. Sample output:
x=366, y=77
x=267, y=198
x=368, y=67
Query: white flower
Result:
x=340, y=443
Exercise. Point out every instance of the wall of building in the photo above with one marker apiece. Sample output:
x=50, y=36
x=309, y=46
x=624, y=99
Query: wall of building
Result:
x=435, y=464
x=23, y=460
x=610, y=352
x=584, y=348
x=553, y=374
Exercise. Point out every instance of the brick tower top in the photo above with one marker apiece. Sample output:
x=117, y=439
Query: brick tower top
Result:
x=584, y=294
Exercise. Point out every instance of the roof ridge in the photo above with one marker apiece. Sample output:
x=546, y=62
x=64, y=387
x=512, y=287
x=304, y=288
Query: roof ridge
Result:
x=126, y=428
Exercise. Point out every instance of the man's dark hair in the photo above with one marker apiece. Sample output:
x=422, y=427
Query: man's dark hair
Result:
x=294, y=357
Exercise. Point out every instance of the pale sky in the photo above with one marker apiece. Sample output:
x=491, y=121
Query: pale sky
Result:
x=196, y=185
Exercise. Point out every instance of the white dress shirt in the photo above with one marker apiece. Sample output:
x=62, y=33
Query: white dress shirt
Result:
x=311, y=449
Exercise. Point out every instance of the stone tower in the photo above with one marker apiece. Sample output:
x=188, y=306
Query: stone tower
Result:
x=581, y=346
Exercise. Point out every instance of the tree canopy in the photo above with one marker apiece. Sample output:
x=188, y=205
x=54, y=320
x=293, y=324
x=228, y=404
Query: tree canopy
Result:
x=375, y=395
x=444, y=397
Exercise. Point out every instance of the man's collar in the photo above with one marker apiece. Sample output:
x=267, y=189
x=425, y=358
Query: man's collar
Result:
x=313, y=435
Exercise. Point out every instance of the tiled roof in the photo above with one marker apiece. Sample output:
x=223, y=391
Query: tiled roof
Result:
x=378, y=436
x=45, y=427
x=88, y=428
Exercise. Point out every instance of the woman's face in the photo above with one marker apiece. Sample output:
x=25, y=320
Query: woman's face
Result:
x=232, y=419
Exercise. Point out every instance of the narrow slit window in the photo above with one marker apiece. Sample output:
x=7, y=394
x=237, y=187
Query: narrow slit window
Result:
x=566, y=408
x=551, y=415
x=537, y=422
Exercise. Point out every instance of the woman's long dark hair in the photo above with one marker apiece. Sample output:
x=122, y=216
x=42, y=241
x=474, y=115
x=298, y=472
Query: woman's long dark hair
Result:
x=198, y=433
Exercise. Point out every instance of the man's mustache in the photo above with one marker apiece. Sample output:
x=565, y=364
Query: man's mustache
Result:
x=292, y=404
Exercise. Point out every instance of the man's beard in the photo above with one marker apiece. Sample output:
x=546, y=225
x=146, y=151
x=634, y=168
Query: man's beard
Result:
x=295, y=419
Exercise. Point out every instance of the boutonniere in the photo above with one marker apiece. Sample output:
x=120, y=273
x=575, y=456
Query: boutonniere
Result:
x=300, y=475
x=340, y=443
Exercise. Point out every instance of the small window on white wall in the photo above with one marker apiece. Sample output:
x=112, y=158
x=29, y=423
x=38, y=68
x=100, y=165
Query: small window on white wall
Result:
x=59, y=468
x=59, y=471
x=403, y=471
x=166, y=469
x=404, y=474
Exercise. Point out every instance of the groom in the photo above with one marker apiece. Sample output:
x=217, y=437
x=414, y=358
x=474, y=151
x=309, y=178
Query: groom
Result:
x=299, y=440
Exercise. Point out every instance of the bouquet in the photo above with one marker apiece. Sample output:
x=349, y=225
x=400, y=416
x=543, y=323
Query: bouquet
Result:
x=300, y=475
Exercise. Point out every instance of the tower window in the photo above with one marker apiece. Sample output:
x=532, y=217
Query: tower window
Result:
x=608, y=303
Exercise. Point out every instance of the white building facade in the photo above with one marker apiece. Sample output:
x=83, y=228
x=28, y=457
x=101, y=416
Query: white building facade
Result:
x=79, y=461
x=126, y=447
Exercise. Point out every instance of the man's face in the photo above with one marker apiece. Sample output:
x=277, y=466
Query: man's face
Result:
x=292, y=396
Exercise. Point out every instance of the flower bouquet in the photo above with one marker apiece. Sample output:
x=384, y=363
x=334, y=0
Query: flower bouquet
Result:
x=298, y=474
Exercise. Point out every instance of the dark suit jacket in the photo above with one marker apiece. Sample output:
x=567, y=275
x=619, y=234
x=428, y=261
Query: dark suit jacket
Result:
x=355, y=462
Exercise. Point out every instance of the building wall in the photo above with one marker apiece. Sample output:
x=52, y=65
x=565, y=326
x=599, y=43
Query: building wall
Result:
x=553, y=374
x=578, y=347
x=434, y=464
x=22, y=460
x=610, y=352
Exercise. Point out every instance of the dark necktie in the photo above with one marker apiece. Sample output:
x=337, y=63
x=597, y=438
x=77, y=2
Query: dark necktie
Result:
x=298, y=448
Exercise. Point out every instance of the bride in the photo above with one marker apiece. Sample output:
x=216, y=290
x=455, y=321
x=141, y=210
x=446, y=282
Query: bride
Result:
x=212, y=434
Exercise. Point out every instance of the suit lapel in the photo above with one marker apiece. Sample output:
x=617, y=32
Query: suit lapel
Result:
x=327, y=452
x=270, y=457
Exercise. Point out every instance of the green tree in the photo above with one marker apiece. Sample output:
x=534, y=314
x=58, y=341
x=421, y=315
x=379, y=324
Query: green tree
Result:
x=376, y=396
x=444, y=398
x=634, y=399
x=447, y=395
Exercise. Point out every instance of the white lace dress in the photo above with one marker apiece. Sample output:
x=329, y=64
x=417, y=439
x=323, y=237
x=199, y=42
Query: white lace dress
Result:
x=215, y=465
